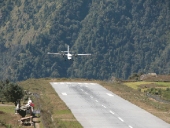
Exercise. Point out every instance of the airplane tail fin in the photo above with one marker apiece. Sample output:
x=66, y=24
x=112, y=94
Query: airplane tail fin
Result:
x=68, y=48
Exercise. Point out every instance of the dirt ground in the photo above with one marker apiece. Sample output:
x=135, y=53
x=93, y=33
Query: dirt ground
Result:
x=158, y=78
x=150, y=85
x=37, y=124
x=10, y=118
x=5, y=105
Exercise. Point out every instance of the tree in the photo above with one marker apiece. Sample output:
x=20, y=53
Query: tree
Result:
x=12, y=92
x=1, y=88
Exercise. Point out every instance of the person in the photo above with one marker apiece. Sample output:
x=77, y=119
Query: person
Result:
x=29, y=102
x=17, y=106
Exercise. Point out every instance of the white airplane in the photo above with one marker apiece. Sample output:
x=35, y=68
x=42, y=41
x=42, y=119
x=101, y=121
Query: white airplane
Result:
x=69, y=56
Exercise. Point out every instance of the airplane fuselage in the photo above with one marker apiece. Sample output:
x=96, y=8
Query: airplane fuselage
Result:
x=69, y=56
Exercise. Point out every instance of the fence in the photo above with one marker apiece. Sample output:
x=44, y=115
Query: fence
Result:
x=157, y=98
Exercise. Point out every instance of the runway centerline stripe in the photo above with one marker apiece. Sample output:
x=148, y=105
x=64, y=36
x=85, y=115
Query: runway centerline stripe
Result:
x=104, y=106
x=105, y=109
x=121, y=119
x=111, y=112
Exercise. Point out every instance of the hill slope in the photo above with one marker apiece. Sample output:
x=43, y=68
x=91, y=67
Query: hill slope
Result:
x=124, y=36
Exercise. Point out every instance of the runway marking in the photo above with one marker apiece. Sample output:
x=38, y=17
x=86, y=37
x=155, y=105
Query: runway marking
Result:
x=91, y=96
x=61, y=83
x=130, y=126
x=121, y=119
x=64, y=93
x=104, y=106
x=111, y=112
x=92, y=83
x=86, y=92
x=82, y=89
x=109, y=94
x=97, y=101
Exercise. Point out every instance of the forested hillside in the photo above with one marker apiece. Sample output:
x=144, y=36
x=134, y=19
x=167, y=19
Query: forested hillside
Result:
x=123, y=36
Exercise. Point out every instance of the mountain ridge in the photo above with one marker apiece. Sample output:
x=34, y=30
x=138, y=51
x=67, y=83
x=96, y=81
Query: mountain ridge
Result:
x=124, y=37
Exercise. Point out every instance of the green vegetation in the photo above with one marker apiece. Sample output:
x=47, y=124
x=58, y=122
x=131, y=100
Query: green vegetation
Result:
x=63, y=112
x=134, y=85
x=8, y=109
x=10, y=91
x=163, y=83
x=8, y=118
x=124, y=37
x=135, y=76
x=160, y=89
x=164, y=94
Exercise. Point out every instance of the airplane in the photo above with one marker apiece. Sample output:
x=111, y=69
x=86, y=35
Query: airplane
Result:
x=69, y=56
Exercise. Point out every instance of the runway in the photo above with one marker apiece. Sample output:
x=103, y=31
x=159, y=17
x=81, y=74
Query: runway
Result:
x=96, y=107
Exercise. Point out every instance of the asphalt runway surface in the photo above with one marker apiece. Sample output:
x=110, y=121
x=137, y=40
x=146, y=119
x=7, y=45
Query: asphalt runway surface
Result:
x=96, y=107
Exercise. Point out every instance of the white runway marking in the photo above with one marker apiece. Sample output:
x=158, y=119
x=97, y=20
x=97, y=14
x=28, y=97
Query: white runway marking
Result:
x=109, y=94
x=104, y=106
x=111, y=112
x=64, y=93
x=95, y=115
x=82, y=89
x=91, y=96
x=121, y=119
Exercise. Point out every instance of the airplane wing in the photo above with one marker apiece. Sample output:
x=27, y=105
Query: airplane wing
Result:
x=80, y=55
x=54, y=53
x=83, y=54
